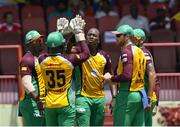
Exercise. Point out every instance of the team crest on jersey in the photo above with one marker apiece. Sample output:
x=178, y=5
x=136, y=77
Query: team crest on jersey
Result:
x=94, y=73
x=23, y=68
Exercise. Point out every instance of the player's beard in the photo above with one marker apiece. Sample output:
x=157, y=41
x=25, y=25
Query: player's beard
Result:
x=37, y=50
x=120, y=43
x=93, y=48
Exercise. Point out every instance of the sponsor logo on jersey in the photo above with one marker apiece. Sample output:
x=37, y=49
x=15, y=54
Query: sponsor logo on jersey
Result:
x=58, y=90
x=81, y=109
x=54, y=64
x=23, y=68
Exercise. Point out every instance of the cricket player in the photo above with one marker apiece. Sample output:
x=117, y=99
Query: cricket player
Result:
x=139, y=38
x=89, y=83
x=131, y=99
x=31, y=104
x=57, y=69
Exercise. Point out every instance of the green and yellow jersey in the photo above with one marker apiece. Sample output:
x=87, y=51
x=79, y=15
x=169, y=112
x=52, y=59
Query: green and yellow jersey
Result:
x=88, y=76
x=57, y=73
x=149, y=59
x=131, y=69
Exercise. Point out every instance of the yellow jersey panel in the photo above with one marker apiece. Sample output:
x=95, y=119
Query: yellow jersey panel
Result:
x=40, y=80
x=120, y=67
x=57, y=74
x=92, y=72
x=139, y=68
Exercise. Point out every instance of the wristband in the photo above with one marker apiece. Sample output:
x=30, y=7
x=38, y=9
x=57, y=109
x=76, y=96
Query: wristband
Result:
x=80, y=37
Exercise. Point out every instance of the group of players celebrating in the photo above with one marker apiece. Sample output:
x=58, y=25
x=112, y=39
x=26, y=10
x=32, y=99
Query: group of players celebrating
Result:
x=69, y=57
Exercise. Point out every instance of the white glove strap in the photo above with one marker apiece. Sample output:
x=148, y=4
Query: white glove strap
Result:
x=28, y=86
x=80, y=37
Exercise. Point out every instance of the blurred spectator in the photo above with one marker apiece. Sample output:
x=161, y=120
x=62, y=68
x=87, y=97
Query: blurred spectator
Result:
x=173, y=7
x=105, y=9
x=162, y=21
x=157, y=1
x=84, y=8
x=34, y=2
x=95, y=3
x=10, y=2
x=171, y=3
x=9, y=24
x=135, y=20
x=62, y=10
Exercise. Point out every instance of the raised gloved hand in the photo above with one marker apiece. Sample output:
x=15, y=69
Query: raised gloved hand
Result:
x=63, y=26
x=77, y=25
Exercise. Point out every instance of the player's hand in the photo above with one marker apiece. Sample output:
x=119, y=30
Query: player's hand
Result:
x=41, y=107
x=107, y=77
x=113, y=102
x=154, y=110
x=77, y=24
x=74, y=50
x=63, y=26
x=149, y=105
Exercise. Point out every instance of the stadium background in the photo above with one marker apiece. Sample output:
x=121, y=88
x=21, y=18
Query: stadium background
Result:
x=164, y=45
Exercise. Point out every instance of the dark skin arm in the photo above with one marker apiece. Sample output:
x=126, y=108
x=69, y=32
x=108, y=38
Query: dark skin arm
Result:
x=35, y=97
x=151, y=80
x=113, y=88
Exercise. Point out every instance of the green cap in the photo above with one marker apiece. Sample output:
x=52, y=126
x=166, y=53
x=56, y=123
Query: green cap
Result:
x=139, y=33
x=55, y=39
x=124, y=29
x=32, y=35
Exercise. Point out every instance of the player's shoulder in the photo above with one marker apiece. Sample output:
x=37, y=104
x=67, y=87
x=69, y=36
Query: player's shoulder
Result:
x=146, y=51
x=104, y=53
x=27, y=59
x=42, y=57
x=128, y=50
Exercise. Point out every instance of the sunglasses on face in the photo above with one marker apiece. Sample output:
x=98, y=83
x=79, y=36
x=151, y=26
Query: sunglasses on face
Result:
x=37, y=40
x=118, y=35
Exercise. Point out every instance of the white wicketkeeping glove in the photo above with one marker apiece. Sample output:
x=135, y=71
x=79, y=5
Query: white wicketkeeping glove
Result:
x=63, y=26
x=77, y=25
